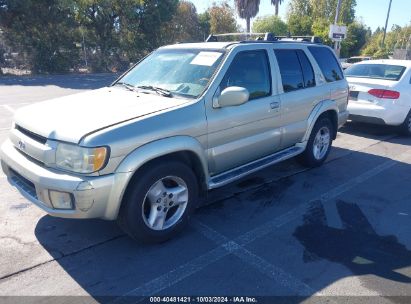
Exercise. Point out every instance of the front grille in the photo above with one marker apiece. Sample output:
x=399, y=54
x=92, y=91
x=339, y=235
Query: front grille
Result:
x=34, y=136
x=23, y=183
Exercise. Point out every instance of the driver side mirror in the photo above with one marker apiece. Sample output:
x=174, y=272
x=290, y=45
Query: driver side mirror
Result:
x=232, y=96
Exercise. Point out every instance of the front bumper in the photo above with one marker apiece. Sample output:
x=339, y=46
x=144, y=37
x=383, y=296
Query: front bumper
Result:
x=94, y=197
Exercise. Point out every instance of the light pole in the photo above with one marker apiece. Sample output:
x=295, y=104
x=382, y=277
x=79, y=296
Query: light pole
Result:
x=336, y=42
x=386, y=24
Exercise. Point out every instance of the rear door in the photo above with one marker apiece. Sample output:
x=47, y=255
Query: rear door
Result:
x=300, y=93
x=333, y=75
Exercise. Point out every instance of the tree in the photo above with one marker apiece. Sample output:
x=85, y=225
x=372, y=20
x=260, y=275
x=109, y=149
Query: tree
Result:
x=185, y=25
x=276, y=3
x=247, y=9
x=121, y=31
x=204, y=24
x=272, y=24
x=222, y=19
x=357, y=35
x=44, y=29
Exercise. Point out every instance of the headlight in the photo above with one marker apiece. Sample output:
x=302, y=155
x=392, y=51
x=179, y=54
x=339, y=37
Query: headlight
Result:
x=80, y=159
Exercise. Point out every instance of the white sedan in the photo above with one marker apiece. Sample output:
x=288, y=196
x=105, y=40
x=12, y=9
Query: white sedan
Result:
x=380, y=93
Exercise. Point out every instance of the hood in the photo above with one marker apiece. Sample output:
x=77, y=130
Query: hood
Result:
x=71, y=117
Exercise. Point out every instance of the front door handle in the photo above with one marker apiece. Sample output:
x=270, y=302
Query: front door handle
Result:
x=275, y=105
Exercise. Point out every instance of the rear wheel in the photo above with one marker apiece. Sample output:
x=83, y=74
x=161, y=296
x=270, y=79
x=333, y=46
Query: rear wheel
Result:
x=405, y=128
x=159, y=202
x=319, y=144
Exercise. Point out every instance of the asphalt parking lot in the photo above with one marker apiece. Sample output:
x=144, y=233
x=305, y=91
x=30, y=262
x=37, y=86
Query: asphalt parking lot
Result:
x=338, y=233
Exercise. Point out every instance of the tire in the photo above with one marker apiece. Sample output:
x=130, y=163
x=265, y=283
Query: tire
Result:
x=158, y=202
x=317, y=152
x=405, y=128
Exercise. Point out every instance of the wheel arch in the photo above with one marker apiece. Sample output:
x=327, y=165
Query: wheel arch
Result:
x=180, y=148
x=326, y=108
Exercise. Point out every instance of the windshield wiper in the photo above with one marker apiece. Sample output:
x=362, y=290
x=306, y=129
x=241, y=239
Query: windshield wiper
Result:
x=126, y=85
x=161, y=91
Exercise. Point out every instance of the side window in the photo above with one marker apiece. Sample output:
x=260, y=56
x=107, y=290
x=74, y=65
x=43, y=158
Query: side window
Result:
x=327, y=63
x=308, y=72
x=290, y=69
x=250, y=70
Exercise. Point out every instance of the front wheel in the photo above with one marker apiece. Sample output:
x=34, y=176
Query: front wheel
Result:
x=159, y=202
x=319, y=144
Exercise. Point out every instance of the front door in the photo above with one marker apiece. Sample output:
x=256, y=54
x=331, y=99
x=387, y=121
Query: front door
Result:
x=240, y=134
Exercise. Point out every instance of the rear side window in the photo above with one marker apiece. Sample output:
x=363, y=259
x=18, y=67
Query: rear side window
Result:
x=295, y=68
x=250, y=70
x=308, y=72
x=327, y=63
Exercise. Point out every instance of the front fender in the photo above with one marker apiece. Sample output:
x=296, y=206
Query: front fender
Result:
x=133, y=161
x=143, y=154
x=320, y=108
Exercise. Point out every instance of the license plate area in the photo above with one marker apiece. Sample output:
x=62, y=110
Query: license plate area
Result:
x=354, y=95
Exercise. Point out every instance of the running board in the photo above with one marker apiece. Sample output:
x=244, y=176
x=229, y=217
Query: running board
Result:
x=239, y=172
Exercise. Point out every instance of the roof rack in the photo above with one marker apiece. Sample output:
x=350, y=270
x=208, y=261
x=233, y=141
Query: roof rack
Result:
x=266, y=37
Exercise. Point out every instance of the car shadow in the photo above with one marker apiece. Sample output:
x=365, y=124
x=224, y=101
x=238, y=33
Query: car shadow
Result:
x=67, y=81
x=371, y=131
x=107, y=264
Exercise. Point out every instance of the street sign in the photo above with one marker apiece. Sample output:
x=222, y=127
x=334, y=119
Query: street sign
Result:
x=337, y=32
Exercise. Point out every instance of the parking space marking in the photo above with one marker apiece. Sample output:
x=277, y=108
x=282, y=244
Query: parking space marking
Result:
x=227, y=247
x=10, y=109
x=325, y=198
x=176, y=275
x=280, y=276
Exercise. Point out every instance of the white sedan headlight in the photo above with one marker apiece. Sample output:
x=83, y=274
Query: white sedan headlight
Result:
x=80, y=159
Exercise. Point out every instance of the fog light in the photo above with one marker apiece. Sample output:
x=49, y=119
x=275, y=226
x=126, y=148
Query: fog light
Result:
x=61, y=200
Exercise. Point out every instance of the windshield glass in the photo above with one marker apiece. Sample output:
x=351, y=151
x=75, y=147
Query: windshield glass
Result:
x=376, y=71
x=182, y=72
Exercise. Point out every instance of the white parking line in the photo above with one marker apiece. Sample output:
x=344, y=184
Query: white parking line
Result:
x=236, y=247
x=276, y=273
x=10, y=109
x=176, y=275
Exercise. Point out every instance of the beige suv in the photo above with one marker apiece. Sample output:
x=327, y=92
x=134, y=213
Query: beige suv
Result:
x=186, y=119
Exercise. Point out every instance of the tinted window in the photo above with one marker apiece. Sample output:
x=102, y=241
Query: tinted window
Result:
x=308, y=73
x=376, y=71
x=290, y=69
x=250, y=70
x=327, y=63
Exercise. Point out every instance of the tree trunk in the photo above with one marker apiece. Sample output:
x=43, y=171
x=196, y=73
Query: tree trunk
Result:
x=248, y=24
x=276, y=8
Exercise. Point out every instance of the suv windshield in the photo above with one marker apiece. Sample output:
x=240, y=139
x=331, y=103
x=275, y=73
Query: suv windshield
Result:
x=376, y=71
x=182, y=72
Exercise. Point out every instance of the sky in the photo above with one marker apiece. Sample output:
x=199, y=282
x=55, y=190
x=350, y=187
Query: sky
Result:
x=371, y=12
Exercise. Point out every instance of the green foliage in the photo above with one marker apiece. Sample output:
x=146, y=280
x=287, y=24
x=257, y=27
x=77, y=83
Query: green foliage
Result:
x=185, y=25
x=397, y=38
x=115, y=31
x=313, y=17
x=357, y=36
x=45, y=29
x=272, y=24
x=222, y=19
x=300, y=25
x=204, y=24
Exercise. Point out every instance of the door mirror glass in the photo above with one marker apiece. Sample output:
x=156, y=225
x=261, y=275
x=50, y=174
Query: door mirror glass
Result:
x=233, y=96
